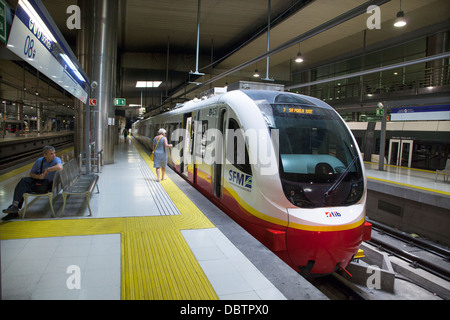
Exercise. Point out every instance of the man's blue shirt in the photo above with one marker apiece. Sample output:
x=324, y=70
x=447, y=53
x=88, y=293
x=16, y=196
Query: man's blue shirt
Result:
x=37, y=167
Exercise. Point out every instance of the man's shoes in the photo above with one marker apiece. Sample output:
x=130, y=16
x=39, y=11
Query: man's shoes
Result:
x=11, y=209
x=10, y=216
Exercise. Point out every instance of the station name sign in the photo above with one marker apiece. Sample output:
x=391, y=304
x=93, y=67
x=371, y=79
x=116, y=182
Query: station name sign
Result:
x=35, y=38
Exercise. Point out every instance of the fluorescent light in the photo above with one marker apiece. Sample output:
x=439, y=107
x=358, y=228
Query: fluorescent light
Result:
x=134, y=105
x=28, y=8
x=148, y=84
x=72, y=66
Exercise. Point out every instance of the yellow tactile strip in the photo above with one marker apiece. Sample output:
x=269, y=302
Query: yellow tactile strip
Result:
x=156, y=261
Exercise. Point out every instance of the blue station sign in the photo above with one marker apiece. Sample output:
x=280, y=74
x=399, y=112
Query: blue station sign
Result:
x=35, y=38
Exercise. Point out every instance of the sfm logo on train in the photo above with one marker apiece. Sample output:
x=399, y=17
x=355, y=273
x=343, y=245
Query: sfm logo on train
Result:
x=240, y=179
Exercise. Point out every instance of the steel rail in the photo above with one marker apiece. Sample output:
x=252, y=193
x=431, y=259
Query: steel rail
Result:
x=401, y=235
x=411, y=258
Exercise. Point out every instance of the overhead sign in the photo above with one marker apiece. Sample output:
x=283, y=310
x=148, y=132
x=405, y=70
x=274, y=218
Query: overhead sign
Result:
x=379, y=112
x=36, y=39
x=437, y=112
x=3, y=21
x=120, y=102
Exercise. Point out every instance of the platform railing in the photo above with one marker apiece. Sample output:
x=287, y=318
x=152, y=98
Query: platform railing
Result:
x=96, y=158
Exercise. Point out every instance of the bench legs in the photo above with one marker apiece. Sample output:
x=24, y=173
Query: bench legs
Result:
x=445, y=175
x=64, y=202
x=50, y=200
x=88, y=197
x=25, y=200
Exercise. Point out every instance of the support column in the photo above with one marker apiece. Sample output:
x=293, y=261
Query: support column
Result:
x=19, y=105
x=99, y=41
x=39, y=117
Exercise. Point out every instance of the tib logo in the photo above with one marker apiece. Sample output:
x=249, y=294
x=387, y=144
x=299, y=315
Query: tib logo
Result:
x=332, y=214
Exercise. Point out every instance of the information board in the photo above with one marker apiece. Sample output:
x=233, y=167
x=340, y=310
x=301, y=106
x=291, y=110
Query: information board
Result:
x=35, y=38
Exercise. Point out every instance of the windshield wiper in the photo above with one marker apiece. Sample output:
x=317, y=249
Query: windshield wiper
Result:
x=341, y=178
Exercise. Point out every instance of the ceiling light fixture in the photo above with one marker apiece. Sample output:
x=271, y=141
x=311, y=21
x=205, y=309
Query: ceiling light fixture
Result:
x=400, y=20
x=256, y=74
x=299, y=58
x=148, y=84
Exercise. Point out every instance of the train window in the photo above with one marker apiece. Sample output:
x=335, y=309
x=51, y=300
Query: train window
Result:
x=288, y=98
x=318, y=159
x=171, y=127
x=237, y=153
x=204, y=138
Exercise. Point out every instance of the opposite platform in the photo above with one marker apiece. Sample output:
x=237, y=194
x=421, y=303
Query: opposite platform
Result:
x=409, y=183
x=412, y=200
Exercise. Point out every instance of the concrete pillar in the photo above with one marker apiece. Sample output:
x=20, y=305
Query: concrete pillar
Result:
x=19, y=105
x=39, y=117
x=98, y=55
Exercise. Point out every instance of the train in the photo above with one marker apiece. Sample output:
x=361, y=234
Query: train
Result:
x=284, y=166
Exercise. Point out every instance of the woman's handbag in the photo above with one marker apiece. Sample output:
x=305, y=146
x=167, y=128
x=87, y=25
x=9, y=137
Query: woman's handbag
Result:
x=152, y=156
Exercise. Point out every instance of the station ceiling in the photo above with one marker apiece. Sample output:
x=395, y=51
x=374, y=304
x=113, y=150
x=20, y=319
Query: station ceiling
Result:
x=233, y=32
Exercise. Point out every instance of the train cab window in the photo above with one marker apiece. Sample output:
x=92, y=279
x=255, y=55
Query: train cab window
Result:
x=237, y=152
x=319, y=162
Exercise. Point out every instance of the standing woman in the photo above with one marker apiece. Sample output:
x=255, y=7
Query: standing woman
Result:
x=159, y=149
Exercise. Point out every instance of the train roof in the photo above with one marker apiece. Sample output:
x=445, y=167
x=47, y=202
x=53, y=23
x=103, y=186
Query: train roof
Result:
x=258, y=92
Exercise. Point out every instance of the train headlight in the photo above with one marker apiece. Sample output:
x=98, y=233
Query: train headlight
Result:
x=296, y=196
x=355, y=193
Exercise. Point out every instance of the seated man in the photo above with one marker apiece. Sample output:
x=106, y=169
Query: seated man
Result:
x=44, y=168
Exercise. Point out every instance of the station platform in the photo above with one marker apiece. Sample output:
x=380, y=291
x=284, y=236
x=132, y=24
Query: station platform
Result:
x=409, y=183
x=424, y=180
x=145, y=240
x=32, y=136
x=411, y=200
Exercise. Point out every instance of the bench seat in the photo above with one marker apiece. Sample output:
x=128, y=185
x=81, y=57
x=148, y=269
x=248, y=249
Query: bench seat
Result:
x=56, y=188
x=76, y=183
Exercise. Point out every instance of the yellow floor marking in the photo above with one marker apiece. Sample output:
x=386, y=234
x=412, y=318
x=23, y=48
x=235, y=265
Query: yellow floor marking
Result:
x=404, y=184
x=192, y=215
x=156, y=261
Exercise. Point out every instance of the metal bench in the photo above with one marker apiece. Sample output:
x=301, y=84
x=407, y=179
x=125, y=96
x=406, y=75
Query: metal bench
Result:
x=56, y=188
x=76, y=183
x=445, y=172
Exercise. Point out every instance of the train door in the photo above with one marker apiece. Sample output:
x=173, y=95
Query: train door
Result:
x=196, y=141
x=186, y=154
x=400, y=152
x=219, y=153
x=406, y=153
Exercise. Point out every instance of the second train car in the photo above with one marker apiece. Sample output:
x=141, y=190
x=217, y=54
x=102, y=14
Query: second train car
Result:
x=284, y=166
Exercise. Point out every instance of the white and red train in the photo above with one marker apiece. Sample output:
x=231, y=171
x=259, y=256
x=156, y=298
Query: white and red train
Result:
x=284, y=166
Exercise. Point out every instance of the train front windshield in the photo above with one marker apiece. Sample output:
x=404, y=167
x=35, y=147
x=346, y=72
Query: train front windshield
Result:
x=319, y=162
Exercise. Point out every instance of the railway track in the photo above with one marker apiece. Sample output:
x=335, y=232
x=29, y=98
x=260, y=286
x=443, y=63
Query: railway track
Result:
x=30, y=155
x=436, y=261
x=415, y=253
x=336, y=287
